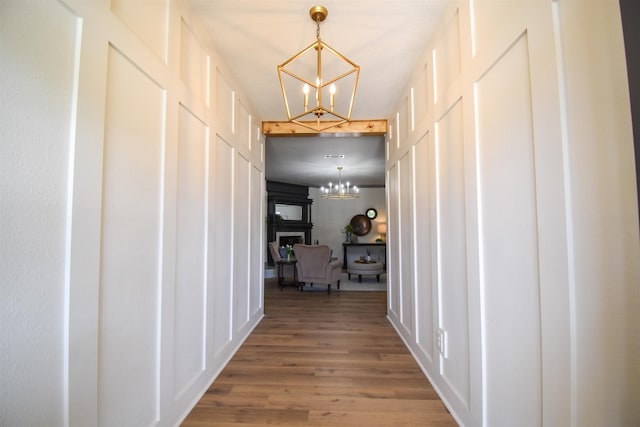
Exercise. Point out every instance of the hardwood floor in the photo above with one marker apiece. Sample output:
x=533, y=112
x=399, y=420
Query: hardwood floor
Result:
x=321, y=360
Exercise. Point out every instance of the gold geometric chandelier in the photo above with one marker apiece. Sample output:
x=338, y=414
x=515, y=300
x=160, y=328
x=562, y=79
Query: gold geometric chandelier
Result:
x=315, y=75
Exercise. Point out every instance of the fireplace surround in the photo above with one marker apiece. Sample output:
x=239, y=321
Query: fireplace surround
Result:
x=285, y=238
x=282, y=229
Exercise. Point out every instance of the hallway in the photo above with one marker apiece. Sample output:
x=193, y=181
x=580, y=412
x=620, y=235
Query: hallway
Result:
x=321, y=360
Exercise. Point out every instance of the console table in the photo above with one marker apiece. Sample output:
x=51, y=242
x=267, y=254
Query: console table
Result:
x=346, y=246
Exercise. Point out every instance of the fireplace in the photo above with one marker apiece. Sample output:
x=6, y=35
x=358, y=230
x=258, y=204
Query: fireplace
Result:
x=288, y=215
x=289, y=238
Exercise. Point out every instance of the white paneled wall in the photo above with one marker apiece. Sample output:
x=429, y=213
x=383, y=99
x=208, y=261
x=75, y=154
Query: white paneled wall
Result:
x=452, y=256
x=38, y=77
x=393, y=248
x=509, y=235
x=220, y=324
x=405, y=241
x=132, y=213
x=131, y=251
x=191, y=253
x=424, y=247
x=500, y=207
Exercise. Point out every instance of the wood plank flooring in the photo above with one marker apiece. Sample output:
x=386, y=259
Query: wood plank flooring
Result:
x=321, y=360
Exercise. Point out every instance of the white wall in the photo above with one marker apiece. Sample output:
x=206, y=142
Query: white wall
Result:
x=513, y=222
x=132, y=205
x=330, y=216
x=34, y=182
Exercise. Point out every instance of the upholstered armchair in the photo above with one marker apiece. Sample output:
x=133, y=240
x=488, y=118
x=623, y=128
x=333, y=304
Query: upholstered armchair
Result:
x=315, y=266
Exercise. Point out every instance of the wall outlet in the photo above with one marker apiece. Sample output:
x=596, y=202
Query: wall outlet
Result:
x=441, y=342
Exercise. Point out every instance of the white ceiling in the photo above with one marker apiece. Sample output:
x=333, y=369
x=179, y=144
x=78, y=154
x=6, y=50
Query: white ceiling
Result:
x=384, y=37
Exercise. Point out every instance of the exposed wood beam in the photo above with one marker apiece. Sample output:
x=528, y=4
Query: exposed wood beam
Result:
x=352, y=128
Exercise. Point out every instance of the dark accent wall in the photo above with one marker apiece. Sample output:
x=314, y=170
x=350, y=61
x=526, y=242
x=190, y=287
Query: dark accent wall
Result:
x=630, y=11
x=288, y=194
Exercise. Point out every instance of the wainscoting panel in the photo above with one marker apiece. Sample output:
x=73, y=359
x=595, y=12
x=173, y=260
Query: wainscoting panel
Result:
x=240, y=242
x=393, y=228
x=403, y=123
x=195, y=65
x=447, y=56
x=130, y=270
x=509, y=238
x=398, y=124
x=406, y=218
x=147, y=19
x=221, y=220
x=391, y=138
x=256, y=254
x=452, y=257
x=243, y=124
x=422, y=98
x=424, y=247
x=189, y=347
x=224, y=102
x=497, y=23
x=258, y=146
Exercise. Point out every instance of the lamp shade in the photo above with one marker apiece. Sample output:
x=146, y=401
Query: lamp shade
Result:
x=382, y=228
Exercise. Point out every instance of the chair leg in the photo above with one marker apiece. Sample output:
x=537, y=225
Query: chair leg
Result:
x=360, y=278
x=338, y=284
x=378, y=277
x=349, y=275
x=329, y=288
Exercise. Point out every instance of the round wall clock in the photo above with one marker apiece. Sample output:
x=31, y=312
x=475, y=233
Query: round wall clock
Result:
x=371, y=213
